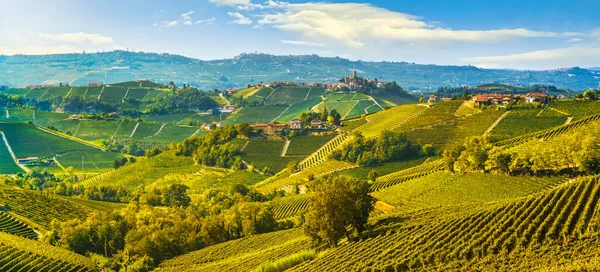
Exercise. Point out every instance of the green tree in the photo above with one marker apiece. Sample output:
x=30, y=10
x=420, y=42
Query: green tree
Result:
x=373, y=175
x=339, y=202
x=292, y=166
x=177, y=196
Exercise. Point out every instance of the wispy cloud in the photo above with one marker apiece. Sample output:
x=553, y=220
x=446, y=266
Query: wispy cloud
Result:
x=575, y=40
x=356, y=25
x=166, y=24
x=240, y=19
x=78, y=37
x=187, y=17
x=584, y=56
x=210, y=21
x=303, y=43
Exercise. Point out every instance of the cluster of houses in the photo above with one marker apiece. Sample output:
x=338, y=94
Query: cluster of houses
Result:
x=296, y=124
x=352, y=82
x=503, y=99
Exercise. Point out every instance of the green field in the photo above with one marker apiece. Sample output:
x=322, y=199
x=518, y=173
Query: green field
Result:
x=7, y=164
x=577, y=109
x=78, y=91
x=305, y=145
x=136, y=93
x=523, y=121
x=37, y=142
x=287, y=95
x=297, y=109
x=266, y=153
x=91, y=161
x=92, y=130
x=253, y=115
x=171, y=133
x=113, y=95
x=173, y=118
x=146, y=130
x=382, y=169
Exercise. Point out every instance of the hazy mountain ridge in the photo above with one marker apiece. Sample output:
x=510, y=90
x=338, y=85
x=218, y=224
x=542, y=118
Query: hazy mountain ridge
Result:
x=117, y=66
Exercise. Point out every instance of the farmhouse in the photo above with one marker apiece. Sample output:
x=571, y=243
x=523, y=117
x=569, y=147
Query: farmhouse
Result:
x=227, y=109
x=534, y=97
x=207, y=112
x=142, y=80
x=433, y=99
x=316, y=123
x=28, y=160
x=93, y=84
x=296, y=124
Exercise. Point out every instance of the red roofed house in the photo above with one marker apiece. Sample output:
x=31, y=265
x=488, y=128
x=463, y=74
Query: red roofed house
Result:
x=531, y=97
x=316, y=123
x=93, y=84
x=433, y=99
x=296, y=124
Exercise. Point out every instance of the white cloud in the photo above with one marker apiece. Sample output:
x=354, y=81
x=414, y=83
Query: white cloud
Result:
x=303, y=43
x=356, y=25
x=595, y=33
x=41, y=50
x=584, y=56
x=575, y=40
x=240, y=18
x=187, y=17
x=240, y=4
x=165, y=24
x=210, y=21
x=78, y=37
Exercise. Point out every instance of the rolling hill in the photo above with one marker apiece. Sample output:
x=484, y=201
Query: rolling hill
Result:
x=120, y=66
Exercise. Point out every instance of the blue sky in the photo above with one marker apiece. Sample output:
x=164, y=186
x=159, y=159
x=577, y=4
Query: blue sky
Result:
x=506, y=34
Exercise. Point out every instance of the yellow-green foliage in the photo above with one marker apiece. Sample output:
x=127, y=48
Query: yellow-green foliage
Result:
x=432, y=238
x=390, y=119
x=286, y=262
x=241, y=255
x=445, y=189
x=20, y=254
x=287, y=181
x=39, y=209
x=166, y=169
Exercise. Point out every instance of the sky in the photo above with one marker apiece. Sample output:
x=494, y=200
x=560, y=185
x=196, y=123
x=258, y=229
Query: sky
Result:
x=523, y=34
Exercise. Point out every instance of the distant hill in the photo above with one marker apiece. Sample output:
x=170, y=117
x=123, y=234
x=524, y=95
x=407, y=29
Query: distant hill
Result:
x=120, y=66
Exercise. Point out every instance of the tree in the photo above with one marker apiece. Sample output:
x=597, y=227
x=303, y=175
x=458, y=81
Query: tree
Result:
x=176, y=196
x=428, y=150
x=324, y=114
x=373, y=175
x=292, y=166
x=339, y=202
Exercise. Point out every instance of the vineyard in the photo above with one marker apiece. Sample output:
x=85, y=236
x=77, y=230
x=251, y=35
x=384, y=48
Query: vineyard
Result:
x=559, y=216
x=305, y=145
x=407, y=174
x=240, y=255
x=390, y=119
x=11, y=225
x=322, y=154
x=524, y=121
x=286, y=181
x=19, y=254
x=445, y=189
x=577, y=109
x=266, y=153
x=40, y=210
x=549, y=133
x=290, y=206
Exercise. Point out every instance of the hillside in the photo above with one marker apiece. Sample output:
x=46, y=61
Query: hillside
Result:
x=120, y=66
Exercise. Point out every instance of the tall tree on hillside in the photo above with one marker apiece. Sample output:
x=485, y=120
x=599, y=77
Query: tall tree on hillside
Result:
x=339, y=202
x=324, y=114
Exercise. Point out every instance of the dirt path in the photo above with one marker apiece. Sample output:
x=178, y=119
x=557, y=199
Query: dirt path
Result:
x=244, y=147
x=315, y=108
x=568, y=121
x=307, y=94
x=7, y=114
x=77, y=129
x=134, y=129
x=375, y=101
x=159, y=130
x=489, y=129
x=100, y=94
x=33, y=115
x=226, y=101
x=348, y=112
x=45, y=92
x=272, y=121
x=126, y=93
x=12, y=154
x=266, y=98
x=285, y=147
x=68, y=93
x=68, y=137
